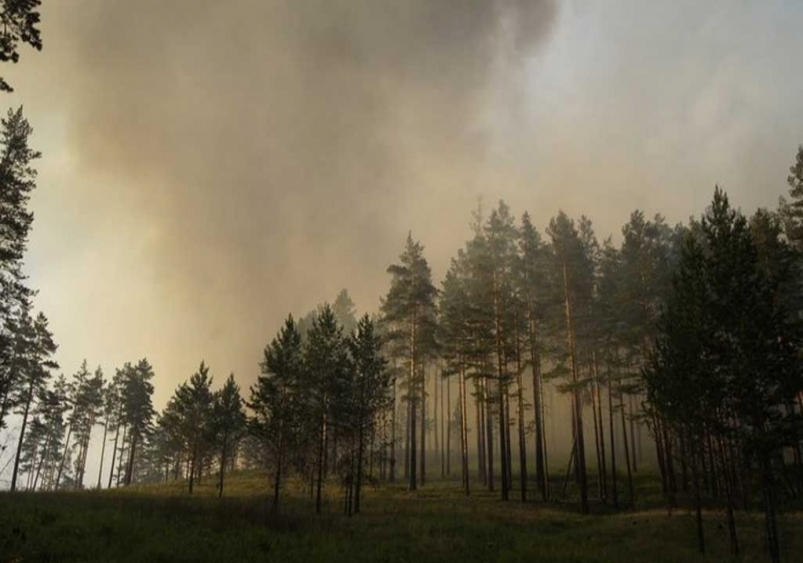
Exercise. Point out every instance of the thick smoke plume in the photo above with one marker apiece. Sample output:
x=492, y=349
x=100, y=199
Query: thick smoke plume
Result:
x=262, y=155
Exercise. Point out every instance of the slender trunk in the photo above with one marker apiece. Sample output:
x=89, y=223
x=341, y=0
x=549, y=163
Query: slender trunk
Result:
x=604, y=469
x=578, y=407
x=63, y=457
x=358, y=482
x=770, y=509
x=501, y=377
x=222, y=465
x=670, y=466
x=508, y=443
x=114, y=452
x=413, y=461
x=438, y=442
x=43, y=457
x=277, y=478
x=412, y=390
x=503, y=458
x=684, y=467
x=194, y=460
x=122, y=463
x=129, y=474
x=479, y=408
x=535, y=358
x=103, y=450
x=614, y=489
x=698, y=505
x=423, y=455
x=729, y=494
x=660, y=453
x=448, y=414
x=600, y=474
x=463, y=430
x=321, y=450
x=632, y=432
x=407, y=435
x=28, y=400
x=627, y=450
x=520, y=421
x=489, y=438
x=392, y=477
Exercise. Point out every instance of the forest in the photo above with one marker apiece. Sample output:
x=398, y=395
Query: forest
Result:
x=558, y=395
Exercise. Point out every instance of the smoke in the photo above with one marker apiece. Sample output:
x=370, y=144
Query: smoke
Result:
x=245, y=159
x=211, y=166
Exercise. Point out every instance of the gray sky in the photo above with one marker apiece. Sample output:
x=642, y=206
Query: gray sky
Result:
x=211, y=166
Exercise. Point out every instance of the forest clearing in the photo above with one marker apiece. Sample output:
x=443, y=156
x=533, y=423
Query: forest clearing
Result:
x=438, y=523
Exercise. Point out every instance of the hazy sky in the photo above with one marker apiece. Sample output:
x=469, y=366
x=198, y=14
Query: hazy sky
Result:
x=211, y=166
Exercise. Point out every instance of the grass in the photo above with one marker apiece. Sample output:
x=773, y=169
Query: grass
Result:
x=438, y=523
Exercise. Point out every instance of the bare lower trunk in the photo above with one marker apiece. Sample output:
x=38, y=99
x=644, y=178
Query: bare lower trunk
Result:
x=103, y=450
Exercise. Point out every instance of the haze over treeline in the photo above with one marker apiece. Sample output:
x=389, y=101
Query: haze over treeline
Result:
x=211, y=166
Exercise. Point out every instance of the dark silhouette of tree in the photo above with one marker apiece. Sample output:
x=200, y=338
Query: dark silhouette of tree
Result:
x=276, y=400
x=138, y=410
x=17, y=182
x=228, y=423
x=20, y=19
x=410, y=316
x=34, y=349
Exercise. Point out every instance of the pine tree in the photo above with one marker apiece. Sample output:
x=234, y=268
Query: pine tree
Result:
x=276, y=399
x=369, y=394
x=17, y=182
x=410, y=316
x=138, y=410
x=572, y=270
x=532, y=288
x=326, y=365
x=34, y=349
x=194, y=406
x=228, y=422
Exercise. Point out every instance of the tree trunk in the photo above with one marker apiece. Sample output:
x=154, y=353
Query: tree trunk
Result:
x=103, y=450
x=520, y=421
x=392, y=476
x=614, y=489
x=770, y=509
x=627, y=452
x=423, y=460
x=489, y=439
x=448, y=414
x=321, y=449
x=698, y=505
x=122, y=464
x=129, y=474
x=28, y=400
x=479, y=408
x=114, y=453
x=222, y=466
x=578, y=407
x=604, y=469
x=464, y=430
x=63, y=457
x=632, y=432
x=535, y=358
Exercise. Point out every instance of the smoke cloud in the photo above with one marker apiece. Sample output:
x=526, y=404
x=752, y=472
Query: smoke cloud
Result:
x=251, y=158
x=211, y=166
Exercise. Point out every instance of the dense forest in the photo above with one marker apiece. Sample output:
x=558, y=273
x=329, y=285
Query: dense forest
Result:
x=547, y=366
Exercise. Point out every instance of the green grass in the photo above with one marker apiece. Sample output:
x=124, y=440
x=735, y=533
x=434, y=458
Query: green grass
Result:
x=437, y=523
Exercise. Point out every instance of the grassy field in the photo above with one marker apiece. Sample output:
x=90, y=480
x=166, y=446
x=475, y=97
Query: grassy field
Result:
x=438, y=523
